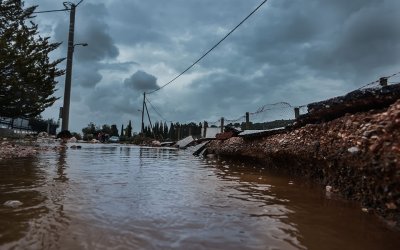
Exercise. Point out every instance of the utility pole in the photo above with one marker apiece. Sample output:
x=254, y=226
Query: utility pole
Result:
x=68, y=73
x=144, y=99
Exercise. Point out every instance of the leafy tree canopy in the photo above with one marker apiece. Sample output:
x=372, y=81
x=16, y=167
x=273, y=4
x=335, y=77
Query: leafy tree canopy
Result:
x=114, y=130
x=27, y=76
x=90, y=129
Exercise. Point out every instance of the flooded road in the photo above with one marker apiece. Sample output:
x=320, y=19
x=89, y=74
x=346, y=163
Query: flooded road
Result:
x=127, y=197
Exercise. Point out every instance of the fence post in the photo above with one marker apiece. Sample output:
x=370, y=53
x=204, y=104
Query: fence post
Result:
x=296, y=112
x=222, y=124
x=204, y=129
x=383, y=81
x=247, y=120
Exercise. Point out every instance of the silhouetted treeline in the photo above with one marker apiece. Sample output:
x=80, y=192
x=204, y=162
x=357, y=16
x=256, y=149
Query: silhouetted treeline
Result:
x=174, y=131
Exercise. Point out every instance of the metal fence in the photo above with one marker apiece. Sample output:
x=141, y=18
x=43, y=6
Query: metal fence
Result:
x=16, y=125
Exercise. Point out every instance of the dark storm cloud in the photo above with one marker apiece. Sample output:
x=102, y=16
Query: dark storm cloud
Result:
x=287, y=45
x=365, y=41
x=294, y=51
x=93, y=29
x=121, y=97
x=350, y=41
x=87, y=75
x=124, y=66
x=133, y=23
x=114, y=100
x=141, y=81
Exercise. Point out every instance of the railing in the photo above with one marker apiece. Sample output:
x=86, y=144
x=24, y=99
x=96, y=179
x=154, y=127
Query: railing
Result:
x=16, y=125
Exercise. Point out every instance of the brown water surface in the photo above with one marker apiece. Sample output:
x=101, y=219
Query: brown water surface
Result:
x=127, y=197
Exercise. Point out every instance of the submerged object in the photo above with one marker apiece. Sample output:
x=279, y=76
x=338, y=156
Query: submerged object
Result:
x=12, y=203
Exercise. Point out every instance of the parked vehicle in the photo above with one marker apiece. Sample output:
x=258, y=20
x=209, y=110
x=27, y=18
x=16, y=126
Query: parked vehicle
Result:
x=113, y=139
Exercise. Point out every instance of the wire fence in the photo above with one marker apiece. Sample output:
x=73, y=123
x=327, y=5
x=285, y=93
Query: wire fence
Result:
x=284, y=111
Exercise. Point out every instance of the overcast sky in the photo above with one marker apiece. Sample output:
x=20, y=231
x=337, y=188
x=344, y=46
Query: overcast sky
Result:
x=289, y=50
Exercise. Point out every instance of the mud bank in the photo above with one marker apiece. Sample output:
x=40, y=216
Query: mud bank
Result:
x=24, y=148
x=358, y=155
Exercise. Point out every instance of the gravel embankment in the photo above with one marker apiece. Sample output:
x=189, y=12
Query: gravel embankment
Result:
x=357, y=154
x=11, y=149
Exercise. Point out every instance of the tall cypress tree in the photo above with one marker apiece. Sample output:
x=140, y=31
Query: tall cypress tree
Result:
x=155, y=129
x=165, y=132
x=128, y=130
x=27, y=76
x=172, y=131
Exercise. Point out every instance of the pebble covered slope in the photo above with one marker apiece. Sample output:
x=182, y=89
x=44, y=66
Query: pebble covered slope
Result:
x=358, y=155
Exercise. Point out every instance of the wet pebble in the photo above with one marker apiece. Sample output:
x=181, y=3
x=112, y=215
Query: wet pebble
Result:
x=13, y=203
x=353, y=150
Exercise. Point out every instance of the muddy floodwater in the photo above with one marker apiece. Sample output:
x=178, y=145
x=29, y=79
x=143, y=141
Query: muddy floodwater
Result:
x=127, y=197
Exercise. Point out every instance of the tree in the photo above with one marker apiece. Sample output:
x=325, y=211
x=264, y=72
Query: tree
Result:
x=122, y=130
x=148, y=131
x=165, y=132
x=128, y=130
x=106, y=129
x=27, y=76
x=114, y=130
x=155, y=128
x=76, y=135
x=172, y=132
x=90, y=129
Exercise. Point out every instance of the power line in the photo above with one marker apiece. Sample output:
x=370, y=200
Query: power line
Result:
x=79, y=3
x=212, y=48
x=395, y=74
x=155, y=110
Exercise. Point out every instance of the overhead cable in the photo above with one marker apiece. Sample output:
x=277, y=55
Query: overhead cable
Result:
x=212, y=48
x=155, y=110
x=79, y=3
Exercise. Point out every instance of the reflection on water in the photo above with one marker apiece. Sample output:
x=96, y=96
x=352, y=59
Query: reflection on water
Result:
x=40, y=184
x=61, y=166
x=23, y=187
x=126, y=197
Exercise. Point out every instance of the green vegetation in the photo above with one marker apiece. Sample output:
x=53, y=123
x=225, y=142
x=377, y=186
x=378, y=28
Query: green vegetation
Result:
x=128, y=130
x=27, y=76
x=160, y=131
x=91, y=131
